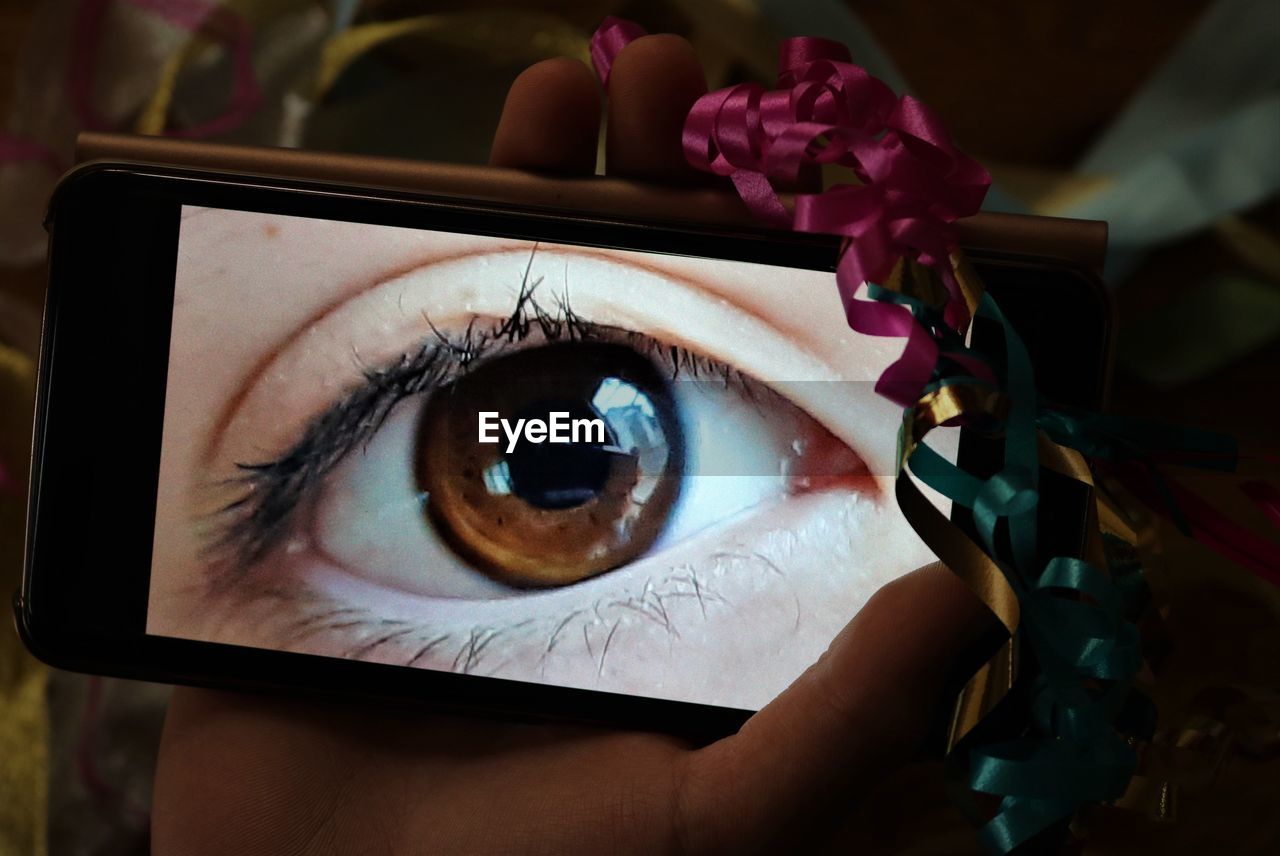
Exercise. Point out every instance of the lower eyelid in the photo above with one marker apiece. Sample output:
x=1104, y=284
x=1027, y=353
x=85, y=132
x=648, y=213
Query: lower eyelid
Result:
x=671, y=599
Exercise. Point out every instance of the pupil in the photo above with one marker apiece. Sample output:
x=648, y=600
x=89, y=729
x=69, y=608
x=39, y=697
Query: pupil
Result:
x=559, y=475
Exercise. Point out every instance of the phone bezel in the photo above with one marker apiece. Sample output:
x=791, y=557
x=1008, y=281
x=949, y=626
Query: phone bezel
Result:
x=113, y=248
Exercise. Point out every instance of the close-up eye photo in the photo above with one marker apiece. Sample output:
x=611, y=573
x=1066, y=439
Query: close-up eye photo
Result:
x=519, y=459
x=692, y=427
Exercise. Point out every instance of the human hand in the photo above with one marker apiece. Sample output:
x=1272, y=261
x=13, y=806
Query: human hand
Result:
x=244, y=774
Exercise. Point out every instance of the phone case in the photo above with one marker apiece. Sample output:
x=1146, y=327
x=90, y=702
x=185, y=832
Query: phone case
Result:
x=1079, y=242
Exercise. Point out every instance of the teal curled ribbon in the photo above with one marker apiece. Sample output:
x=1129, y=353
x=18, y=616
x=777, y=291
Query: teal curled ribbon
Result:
x=1103, y=436
x=1071, y=745
x=1077, y=714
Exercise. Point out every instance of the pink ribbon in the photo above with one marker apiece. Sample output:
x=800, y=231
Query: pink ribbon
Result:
x=1210, y=526
x=203, y=16
x=1265, y=497
x=608, y=41
x=15, y=149
x=915, y=182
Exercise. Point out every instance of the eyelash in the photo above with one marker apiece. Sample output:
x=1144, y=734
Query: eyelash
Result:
x=468, y=649
x=250, y=526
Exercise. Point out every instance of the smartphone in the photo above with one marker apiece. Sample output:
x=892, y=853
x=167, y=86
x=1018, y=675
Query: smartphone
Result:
x=371, y=443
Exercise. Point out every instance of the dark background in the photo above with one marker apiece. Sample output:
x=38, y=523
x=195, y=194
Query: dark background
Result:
x=1025, y=87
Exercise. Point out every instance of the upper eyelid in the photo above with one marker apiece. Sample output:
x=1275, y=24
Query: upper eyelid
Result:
x=228, y=411
x=242, y=400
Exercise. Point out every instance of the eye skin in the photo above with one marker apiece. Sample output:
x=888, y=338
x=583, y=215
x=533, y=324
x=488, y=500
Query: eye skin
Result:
x=727, y=616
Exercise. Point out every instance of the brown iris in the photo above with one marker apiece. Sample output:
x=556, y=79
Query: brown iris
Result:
x=550, y=514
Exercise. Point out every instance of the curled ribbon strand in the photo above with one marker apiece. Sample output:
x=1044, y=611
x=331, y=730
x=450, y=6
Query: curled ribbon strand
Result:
x=1059, y=732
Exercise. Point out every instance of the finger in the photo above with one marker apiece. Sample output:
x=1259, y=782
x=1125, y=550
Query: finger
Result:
x=653, y=83
x=857, y=713
x=551, y=120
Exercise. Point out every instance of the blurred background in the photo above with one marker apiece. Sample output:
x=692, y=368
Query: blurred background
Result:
x=1159, y=116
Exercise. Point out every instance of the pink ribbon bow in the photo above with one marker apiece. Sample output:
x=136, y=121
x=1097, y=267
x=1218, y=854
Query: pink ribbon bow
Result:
x=914, y=181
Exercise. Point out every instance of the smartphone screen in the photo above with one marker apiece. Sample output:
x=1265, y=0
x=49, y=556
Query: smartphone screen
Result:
x=656, y=474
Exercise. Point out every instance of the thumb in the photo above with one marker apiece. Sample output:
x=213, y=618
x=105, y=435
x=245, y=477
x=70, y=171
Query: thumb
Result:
x=862, y=710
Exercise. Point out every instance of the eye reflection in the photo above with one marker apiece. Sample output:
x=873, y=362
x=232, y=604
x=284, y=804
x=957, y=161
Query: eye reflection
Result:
x=533, y=514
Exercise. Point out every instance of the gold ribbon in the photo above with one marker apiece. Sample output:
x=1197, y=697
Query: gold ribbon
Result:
x=1153, y=796
x=155, y=114
x=24, y=730
x=957, y=551
x=509, y=35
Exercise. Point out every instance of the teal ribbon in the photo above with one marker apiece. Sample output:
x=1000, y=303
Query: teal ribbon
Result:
x=1104, y=435
x=1119, y=438
x=1081, y=650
